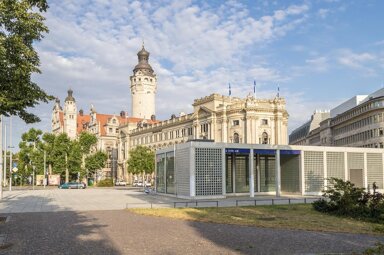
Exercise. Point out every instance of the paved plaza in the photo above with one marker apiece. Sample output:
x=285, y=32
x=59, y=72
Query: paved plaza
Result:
x=92, y=221
x=94, y=199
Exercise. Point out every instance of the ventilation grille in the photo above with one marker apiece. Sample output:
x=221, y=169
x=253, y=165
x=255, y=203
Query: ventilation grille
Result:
x=182, y=171
x=335, y=165
x=375, y=169
x=208, y=172
x=314, y=171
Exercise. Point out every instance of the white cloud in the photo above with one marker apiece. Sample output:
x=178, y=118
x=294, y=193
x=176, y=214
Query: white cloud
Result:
x=319, y=64
x=195, y=50
x=323, y=13
x=358, y=61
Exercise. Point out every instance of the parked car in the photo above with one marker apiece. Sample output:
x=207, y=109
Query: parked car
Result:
x=120, y=183
x=147, y=184
x=137, y=183
x=73, y=185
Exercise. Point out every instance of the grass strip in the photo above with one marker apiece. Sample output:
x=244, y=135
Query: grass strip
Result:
x=300, y=217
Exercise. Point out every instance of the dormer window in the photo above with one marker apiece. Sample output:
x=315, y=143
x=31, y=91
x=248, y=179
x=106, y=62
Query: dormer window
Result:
x=114, y=121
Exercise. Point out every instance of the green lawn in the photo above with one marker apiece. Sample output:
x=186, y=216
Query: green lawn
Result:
x=302, y=217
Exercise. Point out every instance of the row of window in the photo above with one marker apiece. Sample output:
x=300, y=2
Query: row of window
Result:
x=361, y=123
x=145, y=79
x=362, y=136
x=358, y=111
x=185, y=132
x=373, y=145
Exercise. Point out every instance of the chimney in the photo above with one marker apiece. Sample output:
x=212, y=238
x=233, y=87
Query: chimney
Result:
x=122, y=114
x=153, y=117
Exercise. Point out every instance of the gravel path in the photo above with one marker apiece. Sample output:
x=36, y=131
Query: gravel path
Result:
x=122, y=232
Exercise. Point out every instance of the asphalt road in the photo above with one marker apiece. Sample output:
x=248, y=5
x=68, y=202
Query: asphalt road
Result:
x=122, y=232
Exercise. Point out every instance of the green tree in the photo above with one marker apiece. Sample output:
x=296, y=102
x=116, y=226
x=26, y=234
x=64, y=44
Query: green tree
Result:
x=48, y=147
x=30, y=155
x=141, y=160
x=61, y=150
x=21, y=23
x=86, y=141
x=95, y=162
x=74, y=160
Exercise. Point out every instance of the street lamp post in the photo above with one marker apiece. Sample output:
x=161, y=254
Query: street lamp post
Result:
x=5, y=157
x=45, y=174
x=10, y=154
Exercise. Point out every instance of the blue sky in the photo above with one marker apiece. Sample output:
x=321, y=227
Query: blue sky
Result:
x=319, y=52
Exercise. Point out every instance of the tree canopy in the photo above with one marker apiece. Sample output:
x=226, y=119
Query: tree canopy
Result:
x=141, y=160
x=95, y=162
x=61, y=152
x=21, y=23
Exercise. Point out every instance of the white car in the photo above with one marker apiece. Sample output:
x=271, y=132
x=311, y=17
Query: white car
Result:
x=120, y=183
x=147, y=184
x=137, y=183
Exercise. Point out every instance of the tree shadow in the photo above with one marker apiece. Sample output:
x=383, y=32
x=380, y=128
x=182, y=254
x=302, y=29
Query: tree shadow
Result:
x=259, y=240
x=56, y=232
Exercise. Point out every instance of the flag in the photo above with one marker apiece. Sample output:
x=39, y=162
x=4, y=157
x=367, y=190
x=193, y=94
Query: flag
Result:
x=254, y=87
x=229, y=89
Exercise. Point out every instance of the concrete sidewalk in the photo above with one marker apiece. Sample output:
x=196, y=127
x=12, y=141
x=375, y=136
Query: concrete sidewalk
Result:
x=94, y=199
x=52, y=200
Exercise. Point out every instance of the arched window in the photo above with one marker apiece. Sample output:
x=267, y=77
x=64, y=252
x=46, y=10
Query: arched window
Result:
x=265, y=138
x=236, y=138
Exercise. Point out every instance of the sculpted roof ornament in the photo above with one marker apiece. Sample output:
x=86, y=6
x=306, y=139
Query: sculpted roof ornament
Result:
x=70, y=96
x=143, y=65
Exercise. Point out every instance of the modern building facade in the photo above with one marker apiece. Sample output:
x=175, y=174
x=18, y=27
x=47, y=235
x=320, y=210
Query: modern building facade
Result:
x=216, y=117
x=358, y=122
x=199, y=170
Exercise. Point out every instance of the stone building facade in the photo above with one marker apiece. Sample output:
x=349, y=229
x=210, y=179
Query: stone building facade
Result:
x=358, y=122
x=216, y=117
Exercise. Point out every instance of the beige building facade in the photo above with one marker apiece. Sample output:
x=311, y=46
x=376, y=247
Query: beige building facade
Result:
x=358, y=122
x=215, y=117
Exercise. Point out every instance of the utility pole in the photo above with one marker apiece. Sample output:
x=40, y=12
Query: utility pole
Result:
x=10, y=153
x=1, y=155
x=5, y=156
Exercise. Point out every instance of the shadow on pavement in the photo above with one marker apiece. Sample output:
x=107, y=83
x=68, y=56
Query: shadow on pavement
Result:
x=64, y=232
x=257, y=240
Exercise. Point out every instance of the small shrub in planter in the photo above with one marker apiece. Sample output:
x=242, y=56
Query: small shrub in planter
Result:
x=105, y=183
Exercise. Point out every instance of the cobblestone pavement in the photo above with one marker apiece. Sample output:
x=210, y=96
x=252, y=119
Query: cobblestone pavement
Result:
x=121, y=232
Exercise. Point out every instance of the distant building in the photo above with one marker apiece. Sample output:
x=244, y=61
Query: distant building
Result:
x=358, y=122
x=215, y=117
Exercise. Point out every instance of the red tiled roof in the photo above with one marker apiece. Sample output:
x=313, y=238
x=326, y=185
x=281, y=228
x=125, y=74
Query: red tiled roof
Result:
x=82, y=122
x=103, y=120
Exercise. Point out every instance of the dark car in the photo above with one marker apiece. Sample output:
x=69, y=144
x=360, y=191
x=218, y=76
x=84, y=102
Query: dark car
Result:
x=72, y=185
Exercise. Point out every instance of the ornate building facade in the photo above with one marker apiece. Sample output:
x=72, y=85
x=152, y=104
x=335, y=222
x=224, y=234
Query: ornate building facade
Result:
x=214, y=118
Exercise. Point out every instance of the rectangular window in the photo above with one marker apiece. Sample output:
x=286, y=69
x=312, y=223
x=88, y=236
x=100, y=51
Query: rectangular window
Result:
x=264, y=122
x=236, y=122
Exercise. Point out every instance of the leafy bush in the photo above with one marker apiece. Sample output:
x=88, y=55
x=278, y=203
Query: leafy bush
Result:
x=344, y=198
x=105, y=183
